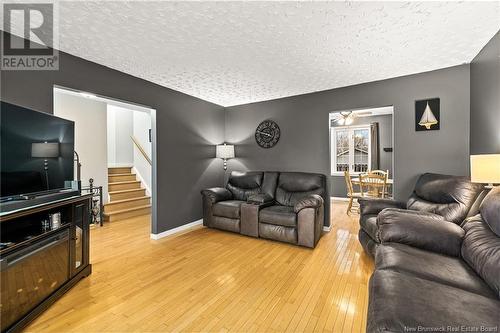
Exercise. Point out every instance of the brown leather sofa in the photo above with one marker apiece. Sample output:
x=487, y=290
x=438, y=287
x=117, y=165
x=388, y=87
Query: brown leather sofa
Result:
x=450, y=198
x=433, y=275
x=283, y=206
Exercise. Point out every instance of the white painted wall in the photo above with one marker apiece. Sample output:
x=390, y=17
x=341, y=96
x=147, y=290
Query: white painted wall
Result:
x=111, y=136
x=90, y=135
x=123, y=123
x=120, y=128
x=141, y=126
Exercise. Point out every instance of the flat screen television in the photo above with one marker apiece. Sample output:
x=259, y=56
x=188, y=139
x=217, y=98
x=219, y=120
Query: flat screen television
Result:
x=36, y=152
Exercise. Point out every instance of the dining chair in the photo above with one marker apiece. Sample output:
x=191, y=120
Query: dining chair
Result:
x=387, y=193
x=380, y=172
x=373, y=184
x=350, y=192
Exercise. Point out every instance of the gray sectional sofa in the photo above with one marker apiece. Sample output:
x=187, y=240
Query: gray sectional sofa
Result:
x=436, y=275
x=451, y=197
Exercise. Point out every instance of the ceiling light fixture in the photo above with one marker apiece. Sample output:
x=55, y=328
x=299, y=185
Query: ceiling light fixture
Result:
x=345, y=118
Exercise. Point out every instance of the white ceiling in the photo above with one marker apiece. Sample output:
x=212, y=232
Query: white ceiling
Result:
x=232, y=53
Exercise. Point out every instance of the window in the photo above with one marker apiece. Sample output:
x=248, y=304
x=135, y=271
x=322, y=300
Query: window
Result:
x=350, y=149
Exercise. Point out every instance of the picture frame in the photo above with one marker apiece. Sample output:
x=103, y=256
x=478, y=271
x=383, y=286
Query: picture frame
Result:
x=427, y=114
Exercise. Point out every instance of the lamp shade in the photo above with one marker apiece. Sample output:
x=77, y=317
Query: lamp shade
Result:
x=485, y=168
x=45, y=149
x=224, y=151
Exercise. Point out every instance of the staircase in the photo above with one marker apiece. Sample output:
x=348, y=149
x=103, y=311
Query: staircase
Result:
x=127, y=197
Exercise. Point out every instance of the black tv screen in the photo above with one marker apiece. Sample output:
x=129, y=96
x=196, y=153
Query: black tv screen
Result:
x=36, y=151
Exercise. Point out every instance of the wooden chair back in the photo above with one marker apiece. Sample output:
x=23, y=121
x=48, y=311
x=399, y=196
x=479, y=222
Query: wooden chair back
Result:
x=387, y=187
x=373, y=184
x=380, y=172
x=348, y=183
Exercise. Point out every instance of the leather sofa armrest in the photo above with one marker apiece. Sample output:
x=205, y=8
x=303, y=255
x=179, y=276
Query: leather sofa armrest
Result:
x=311, y=201
x=310, y=220
x=422, y=230
x=217, y=194
x=376, y=205
x=260, y=199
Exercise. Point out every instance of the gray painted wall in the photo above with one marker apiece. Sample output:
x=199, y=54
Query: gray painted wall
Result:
x=337, y=183
x=187, y=128
x=303, y=119
x=485, y=99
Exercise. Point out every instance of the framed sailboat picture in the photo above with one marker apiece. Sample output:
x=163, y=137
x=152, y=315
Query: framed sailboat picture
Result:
x=427, y=117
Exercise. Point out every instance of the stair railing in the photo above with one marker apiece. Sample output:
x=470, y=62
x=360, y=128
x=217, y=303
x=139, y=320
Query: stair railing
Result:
x=141, y=149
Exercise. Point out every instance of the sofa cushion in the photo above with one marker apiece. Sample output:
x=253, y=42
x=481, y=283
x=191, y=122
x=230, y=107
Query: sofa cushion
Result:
x=216, y=194
x=228, y=208
x=278, y=215
x=278, y=232
x=368, y=205
x=428, y=265
x=448, y=196
x=424, y=230
x=401, y=303
x=490, y=210
x=313, y=201
x=368, y=244
x=369, y=225
x=244, y=184
x=481, y=250
x=293, y=186
x=269, y=183
x=225, y=223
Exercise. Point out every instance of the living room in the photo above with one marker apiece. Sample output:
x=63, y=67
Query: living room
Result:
x=271, y=243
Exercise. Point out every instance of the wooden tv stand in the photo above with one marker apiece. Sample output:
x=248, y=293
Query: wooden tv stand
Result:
x=39, y=264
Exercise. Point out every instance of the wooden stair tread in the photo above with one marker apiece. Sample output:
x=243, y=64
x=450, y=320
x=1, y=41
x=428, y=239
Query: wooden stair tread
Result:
x=124, y=182
x=119, y=170
x=125, y=191
x=126, y=200
x=128, y=210
x=127, y=196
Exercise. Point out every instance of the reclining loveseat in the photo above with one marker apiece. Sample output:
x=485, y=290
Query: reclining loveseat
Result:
x=284, y=206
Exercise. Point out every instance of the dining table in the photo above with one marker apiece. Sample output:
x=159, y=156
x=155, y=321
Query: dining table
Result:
x=389, y=183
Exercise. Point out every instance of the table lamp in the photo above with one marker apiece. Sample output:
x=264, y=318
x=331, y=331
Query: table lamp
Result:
x=485, y=169
x=225, y=152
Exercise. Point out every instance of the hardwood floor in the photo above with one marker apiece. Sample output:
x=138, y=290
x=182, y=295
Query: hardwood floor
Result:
x=210, y=280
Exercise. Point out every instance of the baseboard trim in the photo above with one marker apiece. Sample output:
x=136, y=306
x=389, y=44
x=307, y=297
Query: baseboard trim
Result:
x=176, y=230
x=194, y=224
x=138, y=174
x=339, y=199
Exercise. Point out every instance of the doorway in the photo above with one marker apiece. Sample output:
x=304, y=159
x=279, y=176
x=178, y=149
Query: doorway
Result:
x=361, y=140
x=115, y=141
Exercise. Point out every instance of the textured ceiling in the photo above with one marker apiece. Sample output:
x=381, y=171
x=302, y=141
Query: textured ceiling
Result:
x=239, y=52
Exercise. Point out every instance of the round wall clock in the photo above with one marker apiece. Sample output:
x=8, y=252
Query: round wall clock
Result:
x=267, y=134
